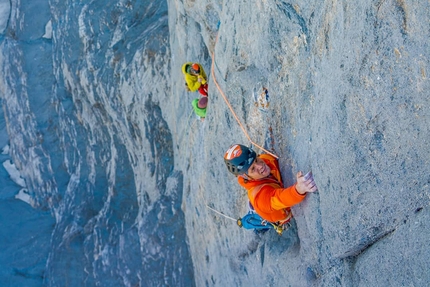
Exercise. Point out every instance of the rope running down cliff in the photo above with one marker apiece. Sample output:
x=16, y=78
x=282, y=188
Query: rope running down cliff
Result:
x=228, y=103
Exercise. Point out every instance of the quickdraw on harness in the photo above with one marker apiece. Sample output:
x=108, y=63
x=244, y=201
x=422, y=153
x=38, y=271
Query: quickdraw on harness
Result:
x=278, y=228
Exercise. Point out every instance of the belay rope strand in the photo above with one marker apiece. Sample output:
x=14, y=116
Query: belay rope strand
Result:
x=228, y=103
x=220, y=213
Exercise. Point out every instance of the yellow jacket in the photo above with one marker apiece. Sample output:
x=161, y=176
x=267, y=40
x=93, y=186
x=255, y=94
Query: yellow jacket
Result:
x=191, y=80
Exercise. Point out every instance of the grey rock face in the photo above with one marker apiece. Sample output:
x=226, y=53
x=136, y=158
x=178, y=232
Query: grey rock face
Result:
x=348, y=85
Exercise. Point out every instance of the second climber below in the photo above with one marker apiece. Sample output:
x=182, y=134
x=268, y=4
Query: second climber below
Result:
x=261, y=177
x=199, y=107
x=195, y=78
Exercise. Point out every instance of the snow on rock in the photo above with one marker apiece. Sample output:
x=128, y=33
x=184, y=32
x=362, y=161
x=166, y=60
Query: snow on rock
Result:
x=14, y=173
x=48, y=30
x=24, y=196
x=5, y=150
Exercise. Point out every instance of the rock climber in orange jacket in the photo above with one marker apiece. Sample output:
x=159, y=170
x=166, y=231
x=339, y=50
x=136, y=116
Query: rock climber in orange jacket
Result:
x=260, y=175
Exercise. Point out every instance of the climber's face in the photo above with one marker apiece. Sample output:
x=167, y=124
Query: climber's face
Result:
x=258, y=169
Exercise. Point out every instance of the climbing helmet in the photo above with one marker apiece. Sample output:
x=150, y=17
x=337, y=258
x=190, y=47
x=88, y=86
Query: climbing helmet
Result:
x=239, y=158
x=195, y=68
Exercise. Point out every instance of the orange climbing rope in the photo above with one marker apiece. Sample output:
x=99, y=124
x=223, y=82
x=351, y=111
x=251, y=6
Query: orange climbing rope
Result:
x=228, y=103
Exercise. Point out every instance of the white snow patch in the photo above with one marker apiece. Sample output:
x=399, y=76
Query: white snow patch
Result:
x=5, y=150
x=48, y=30
x=24, y=196
x=14, y=173
x=4, y=14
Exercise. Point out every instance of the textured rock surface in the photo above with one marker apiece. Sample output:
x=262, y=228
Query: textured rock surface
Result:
x=80, y=89
x=103, y=134
x=348, y=84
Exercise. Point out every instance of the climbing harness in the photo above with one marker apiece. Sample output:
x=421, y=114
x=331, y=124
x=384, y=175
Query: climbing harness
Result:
x=279, y=228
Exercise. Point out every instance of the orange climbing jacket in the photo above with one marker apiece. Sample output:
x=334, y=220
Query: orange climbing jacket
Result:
x=267, y=195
